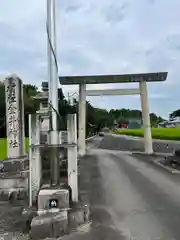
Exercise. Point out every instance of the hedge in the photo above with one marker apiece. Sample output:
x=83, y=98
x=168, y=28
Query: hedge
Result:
x=3, y=147
x=157, y=133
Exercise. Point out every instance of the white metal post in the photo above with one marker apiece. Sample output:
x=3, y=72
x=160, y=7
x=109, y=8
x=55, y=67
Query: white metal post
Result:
x=72, y=156
x=146, y=117
x=30, y=160
x=38, y=154
x=82, y=120
x=49, y=55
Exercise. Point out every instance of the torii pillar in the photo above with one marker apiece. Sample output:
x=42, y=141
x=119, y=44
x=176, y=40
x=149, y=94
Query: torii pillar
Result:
x=145, y=117
x=82, y=120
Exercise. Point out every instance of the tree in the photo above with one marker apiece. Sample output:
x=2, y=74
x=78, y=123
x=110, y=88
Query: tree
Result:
x=175, y=113
x=96, y=118
x=30, y=106
x=2, y=110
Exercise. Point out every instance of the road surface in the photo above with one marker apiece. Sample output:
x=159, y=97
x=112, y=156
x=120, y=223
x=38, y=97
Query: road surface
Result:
x=130, y=199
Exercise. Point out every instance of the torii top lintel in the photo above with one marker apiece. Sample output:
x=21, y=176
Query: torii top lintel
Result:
x=124, y=78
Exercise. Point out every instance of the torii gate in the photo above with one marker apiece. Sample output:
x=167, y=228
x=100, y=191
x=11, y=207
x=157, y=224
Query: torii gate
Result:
x=142, y=79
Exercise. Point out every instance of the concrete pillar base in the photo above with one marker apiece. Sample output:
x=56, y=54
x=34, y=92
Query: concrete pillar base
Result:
x=81, y=153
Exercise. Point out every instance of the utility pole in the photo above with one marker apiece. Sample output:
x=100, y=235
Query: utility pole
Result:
x=53, y=87
x=49, y=55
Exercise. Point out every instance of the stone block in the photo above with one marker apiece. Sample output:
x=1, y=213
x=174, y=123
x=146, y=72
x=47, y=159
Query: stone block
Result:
x=47, y=196
x=78, y=215
x=4, y=196
x=13, y=195
x=49, y=225
x=41, y=227
x=60, y=224
x=27, y=215
x=13, y=182
x=14, y=165
x=75, y=217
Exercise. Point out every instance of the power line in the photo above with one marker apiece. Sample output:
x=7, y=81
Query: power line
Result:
x=50, y=43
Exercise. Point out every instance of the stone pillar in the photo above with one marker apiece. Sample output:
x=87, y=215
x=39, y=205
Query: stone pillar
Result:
x=146, y=117
x=14, y=117
x=34, y=157
x=72, y=156
x=82, y=120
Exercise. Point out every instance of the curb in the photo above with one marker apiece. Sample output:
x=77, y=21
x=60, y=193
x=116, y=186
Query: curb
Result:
x=157, y=164
x=142, y=139
x=154, y=154
x=87, y=139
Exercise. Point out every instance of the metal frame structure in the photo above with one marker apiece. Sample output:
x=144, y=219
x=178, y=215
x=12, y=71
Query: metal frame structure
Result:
x=65, y=141
x=55, y=144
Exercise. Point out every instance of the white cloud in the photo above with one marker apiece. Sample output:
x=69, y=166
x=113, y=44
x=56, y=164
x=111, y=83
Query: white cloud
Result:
x=97, y=37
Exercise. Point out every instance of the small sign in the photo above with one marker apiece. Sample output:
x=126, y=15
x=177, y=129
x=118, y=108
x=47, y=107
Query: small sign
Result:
x=53, y=203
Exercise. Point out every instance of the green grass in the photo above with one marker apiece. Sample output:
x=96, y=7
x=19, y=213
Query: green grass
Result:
x=157, y=133
x=3, y=147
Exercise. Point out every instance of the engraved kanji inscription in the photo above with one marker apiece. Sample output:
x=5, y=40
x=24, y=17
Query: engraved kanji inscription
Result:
x=12, y=109
x=11, y=92
x=13, y=143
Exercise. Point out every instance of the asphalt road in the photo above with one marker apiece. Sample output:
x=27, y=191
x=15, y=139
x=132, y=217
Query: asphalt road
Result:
x=130, y=198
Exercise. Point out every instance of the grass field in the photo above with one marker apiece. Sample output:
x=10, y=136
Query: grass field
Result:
x=3, y=147
x=157, y=133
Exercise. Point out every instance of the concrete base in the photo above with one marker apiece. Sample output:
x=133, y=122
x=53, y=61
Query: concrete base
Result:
x=59, y=220
x=49, y=225
x=53, y=225
x=14, y=176
x=60, y=196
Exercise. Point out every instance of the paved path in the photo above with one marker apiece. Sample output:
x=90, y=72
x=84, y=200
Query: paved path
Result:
x=130, y=199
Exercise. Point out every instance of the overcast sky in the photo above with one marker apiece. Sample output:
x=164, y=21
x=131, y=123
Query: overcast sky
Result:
x=97, y=37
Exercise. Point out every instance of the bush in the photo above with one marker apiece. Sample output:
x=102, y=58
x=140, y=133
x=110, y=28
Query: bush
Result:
x=3, y=147
x=157, y=133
